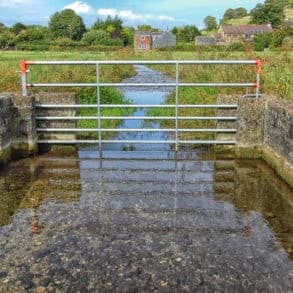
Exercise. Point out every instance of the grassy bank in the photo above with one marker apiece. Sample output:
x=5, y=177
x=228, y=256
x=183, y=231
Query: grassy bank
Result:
x=276, y=79
x=9, y=82
x=277, y=75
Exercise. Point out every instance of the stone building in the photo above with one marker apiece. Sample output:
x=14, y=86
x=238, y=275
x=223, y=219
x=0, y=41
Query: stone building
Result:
x=205, y=40
x=145, y=41
x=239, y=33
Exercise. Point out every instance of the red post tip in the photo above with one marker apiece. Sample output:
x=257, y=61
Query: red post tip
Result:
x=258, y=63
x=23, y=67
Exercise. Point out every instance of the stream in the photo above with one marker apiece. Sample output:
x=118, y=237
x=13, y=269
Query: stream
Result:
x=142, y=221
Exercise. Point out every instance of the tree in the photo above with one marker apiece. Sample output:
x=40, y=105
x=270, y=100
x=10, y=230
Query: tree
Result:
x=2, y=27
x=234, y=13
x=262, y=41
x=7, y=39
x=272, y=11
x=278, y=37
x=111, y=25
x=240, y=12
x=186, y=34
x=127, y=34
x=67, y=24
x=100, y=37
x=17, y=28
x=32, y=33
x=147, y=28
x=210, y=23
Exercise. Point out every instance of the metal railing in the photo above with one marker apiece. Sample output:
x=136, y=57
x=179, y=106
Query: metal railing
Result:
x=176, y=84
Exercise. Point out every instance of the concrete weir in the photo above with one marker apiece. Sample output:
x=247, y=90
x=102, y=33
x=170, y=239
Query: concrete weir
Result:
x=18, y=127
x=264, y=127
x=264, y=130
x=18, y=135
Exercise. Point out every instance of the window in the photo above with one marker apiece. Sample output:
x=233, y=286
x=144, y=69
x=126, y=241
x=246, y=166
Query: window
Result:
x=142, y=38
x=142, y=46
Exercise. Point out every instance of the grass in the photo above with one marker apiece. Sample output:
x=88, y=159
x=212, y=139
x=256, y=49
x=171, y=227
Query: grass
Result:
x=239, y=21
x=277, y=75
x=277, y=79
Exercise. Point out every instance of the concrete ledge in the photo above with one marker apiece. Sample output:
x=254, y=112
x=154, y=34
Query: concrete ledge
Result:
x=17, y=127
x=264, y=130
x=18, y=136
x=277, y=162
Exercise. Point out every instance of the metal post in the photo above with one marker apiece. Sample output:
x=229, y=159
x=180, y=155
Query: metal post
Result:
x=258, y=72
x=23, y=73
x=176, y=108
x=99, y=108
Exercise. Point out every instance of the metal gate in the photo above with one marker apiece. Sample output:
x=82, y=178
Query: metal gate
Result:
x=175, y=132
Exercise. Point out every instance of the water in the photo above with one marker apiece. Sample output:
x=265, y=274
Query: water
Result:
x=144, y=96
x=144, y=220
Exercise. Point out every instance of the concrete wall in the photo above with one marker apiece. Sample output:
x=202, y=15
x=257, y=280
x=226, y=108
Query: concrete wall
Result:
x=56, y=98
x=264, y=130
x=17, y=127
x=18, y=135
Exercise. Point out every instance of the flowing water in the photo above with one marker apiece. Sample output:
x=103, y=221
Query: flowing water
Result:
x=144, y=220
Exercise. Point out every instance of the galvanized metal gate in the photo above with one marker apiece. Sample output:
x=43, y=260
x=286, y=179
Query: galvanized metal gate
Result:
x=174, y=138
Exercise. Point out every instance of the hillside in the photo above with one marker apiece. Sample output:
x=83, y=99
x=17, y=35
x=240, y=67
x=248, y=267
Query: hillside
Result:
x=238, y=21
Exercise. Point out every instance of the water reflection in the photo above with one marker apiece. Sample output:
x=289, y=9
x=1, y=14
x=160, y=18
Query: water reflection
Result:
x=253, y=186
x=25, y=184
x=144, y=220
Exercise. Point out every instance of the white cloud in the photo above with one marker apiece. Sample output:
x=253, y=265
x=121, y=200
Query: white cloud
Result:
x=79, y=7
x=130, y=15
x=107, y=12
x=165, y=17
x=12, y=3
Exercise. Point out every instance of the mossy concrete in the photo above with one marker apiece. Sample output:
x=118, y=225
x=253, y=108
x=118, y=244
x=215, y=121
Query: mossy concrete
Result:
x=18, y=135
x=17, y=127
x=264, y=130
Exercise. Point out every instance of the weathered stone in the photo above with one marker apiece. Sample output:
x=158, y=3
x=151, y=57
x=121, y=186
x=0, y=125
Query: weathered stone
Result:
x=264, y=130
x=56, y=98
x=18, y=131
x=18, y=135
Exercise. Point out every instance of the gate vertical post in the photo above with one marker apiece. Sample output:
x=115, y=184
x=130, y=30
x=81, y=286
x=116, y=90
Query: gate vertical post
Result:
x=176, y=108
x=23, y=73
x=99, y=108
x=258, y=72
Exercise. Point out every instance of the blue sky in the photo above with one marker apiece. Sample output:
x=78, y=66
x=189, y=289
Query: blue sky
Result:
x=159, y=13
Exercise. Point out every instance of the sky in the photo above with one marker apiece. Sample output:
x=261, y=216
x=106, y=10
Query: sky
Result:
x=163, y=14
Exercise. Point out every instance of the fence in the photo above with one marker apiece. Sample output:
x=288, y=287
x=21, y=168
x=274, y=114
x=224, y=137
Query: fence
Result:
x=176, y=85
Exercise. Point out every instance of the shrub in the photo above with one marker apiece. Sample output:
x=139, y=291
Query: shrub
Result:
x=262, y=41
x=237, y=47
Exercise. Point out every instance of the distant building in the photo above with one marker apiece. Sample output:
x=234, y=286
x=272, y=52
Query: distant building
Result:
x=205, y=40
x=145, y=41
x=238, y=33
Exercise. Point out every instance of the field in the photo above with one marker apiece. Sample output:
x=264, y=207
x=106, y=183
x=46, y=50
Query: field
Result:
x=277, y=74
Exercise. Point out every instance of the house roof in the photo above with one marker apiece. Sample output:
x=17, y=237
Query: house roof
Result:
x=205, y=40
x=145, y=33
x=231, y=29
x=253, y=28
x=246, y=29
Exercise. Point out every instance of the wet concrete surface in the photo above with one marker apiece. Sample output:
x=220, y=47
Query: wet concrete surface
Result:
x=141, y=222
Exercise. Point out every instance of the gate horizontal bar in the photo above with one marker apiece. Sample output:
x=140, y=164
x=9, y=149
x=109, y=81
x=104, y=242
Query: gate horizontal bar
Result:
x=48, y=106
x=137, y=141
x=141, y=84
x=136, y=118
x=135, y=129
x=117, y=62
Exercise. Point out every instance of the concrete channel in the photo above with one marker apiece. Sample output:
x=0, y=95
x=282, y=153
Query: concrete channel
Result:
x=144, y=220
